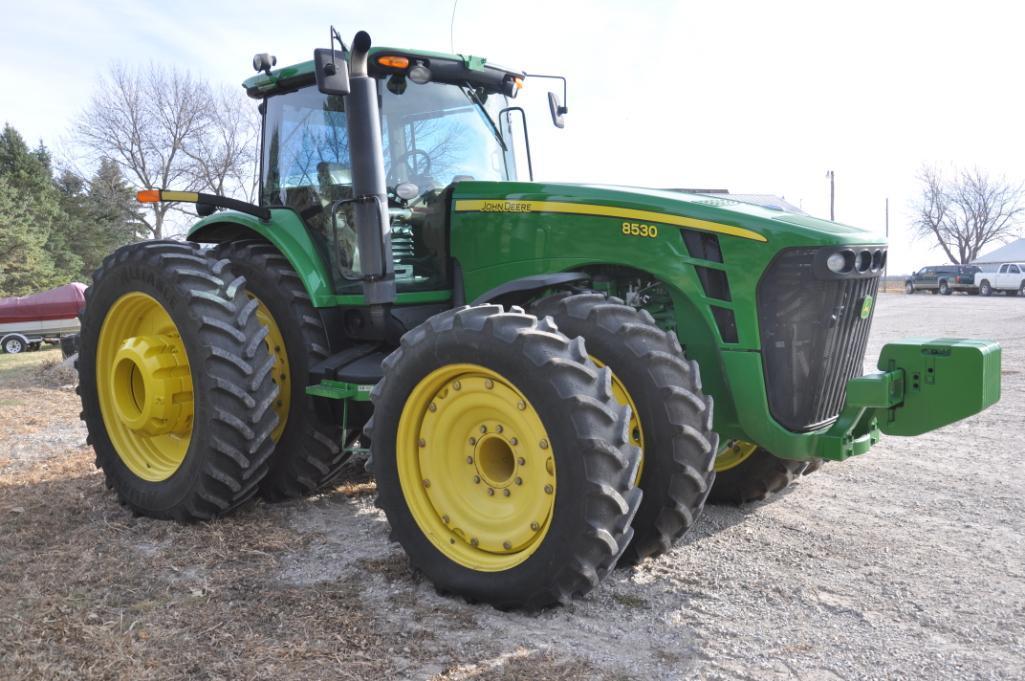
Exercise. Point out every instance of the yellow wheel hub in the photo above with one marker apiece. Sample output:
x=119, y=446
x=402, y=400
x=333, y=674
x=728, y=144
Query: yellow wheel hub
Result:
x=636, y=432
x=144, y=386
x=476, y=467
x=281, y=374
x=733, y=454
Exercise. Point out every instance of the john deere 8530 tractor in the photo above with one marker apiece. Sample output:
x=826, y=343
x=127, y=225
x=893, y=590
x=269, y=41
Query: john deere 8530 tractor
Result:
x=532, y=367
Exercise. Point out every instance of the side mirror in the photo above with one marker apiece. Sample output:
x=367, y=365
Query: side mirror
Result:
x=557, y=109
x=332, y=71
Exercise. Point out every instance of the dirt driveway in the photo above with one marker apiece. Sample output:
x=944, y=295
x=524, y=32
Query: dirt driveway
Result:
x=906, y=563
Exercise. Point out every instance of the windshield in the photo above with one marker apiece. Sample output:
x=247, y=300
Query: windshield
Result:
x=433, y=134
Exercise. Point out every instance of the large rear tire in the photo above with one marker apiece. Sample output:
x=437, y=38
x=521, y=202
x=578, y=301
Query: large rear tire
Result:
x=308, y=452
x=746, y=473
x=672, y=421
x=502, y=458
x=175, y=381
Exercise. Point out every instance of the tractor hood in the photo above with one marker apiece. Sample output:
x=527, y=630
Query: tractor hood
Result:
x=718, y=213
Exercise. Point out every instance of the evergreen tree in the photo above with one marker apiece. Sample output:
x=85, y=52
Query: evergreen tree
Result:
x=30, y=250
x=24, y=262
x=102, y=214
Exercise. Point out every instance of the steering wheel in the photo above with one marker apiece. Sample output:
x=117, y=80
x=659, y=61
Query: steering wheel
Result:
x=415, y=167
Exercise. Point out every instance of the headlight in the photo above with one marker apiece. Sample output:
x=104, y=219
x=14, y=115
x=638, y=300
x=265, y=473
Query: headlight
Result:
x=836, y=263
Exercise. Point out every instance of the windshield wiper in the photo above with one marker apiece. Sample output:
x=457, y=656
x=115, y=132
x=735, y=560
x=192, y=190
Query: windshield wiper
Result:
x=471, y=94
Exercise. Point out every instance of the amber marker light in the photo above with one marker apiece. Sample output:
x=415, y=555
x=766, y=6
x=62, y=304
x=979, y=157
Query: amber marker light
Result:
x=393, y=61
x=148, y=196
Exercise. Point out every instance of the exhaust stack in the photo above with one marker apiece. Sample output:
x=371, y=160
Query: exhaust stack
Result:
x=366, y=156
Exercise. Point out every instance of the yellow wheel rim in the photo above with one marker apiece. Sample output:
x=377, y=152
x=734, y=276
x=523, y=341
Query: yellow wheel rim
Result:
x=281, y=374
x=733, y=454
x=476, y=467
x=622, y=396
x=144, y=386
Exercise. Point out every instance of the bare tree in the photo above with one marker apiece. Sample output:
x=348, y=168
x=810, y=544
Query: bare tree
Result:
x=223, y=157
x=169, y=130
x=966, y=213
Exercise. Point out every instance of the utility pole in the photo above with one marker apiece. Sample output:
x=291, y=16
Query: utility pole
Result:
x=832, y=195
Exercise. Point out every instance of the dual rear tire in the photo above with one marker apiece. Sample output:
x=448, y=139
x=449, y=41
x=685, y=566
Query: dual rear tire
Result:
x=193, y=367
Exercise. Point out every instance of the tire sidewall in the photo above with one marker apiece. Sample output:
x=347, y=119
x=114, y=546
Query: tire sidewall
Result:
x=15, y=343
x=567, y=516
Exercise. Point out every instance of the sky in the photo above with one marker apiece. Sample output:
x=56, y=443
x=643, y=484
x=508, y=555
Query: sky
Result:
x=754, y=97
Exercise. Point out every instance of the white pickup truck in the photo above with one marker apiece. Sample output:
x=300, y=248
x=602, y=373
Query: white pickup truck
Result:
x=1009, y=277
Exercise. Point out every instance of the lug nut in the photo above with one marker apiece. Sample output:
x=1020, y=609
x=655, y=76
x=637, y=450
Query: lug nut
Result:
x=445, y=519
x=513, y=441
x=499, y=428
x=535, y=526
x=521, y=461
x=507, y=545
x=422, y=442
x=519, y=481
x=549, y=489
x=488, y=383
x=543, y=444
x=427, y=483
x=456, y=385
x=521, y=405
x=432, y=407
x=473, y=440
x=473, y=541
x=476, y=479
x=491, y=492
x=506, y=492
x=483, y=429
x=469, y=459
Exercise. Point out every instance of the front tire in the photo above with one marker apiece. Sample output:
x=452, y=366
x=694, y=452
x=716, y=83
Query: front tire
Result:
x=502, y=458
x=175, y=381
x=909, y=288
x=307, y=452
x=673, y=419
x=746, y=473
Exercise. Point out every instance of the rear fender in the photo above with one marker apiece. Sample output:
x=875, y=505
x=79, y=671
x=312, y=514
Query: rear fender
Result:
x=286, y=231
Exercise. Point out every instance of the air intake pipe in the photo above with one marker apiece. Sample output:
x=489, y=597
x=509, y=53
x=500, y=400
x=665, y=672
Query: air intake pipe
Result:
x=370, y=201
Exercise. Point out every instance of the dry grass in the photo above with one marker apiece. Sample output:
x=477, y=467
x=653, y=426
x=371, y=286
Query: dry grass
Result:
x=89, y=591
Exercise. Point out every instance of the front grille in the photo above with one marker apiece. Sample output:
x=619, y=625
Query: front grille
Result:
x=812, y=330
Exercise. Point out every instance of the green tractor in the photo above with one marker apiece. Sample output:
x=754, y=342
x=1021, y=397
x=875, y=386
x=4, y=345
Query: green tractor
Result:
x=530, y=368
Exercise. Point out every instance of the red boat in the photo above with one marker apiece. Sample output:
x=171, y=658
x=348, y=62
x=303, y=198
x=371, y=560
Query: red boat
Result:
x=28, y=321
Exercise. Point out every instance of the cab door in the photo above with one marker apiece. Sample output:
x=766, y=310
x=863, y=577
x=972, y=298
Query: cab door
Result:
x=1013, y=277
x=1000, y=280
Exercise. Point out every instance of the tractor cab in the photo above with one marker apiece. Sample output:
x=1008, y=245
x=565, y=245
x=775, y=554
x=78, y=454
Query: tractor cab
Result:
x=443, y=119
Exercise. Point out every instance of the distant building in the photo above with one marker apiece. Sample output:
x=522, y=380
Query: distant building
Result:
x=1012, y=252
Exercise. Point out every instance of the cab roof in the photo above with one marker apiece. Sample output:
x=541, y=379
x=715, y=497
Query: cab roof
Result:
x=448, y=68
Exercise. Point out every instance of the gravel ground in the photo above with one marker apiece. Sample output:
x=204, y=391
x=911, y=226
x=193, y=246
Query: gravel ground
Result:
x=905, y=563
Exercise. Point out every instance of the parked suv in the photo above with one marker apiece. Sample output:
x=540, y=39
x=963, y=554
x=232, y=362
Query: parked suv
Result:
x=1009, y=278
x=944, y=279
